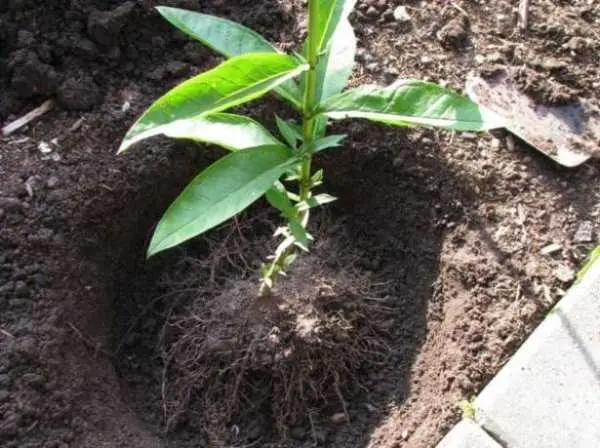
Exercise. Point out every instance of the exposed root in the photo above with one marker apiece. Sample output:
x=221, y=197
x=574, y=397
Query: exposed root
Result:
x=294, y=356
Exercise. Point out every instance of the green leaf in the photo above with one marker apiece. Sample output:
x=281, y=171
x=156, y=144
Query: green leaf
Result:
x=320, y=126
x=330, y=141
x=294, y=233
x=288, y=131
x=315, y=201
x=302, y=238
x=222, y=190
x=236, y=81
x=227, y=38
x=221, y=35
x=289, y=259
x=412, y=102
x=232, y=132
x=335, y=66
x=330, y=14
x=277, y=196
x=316, y=179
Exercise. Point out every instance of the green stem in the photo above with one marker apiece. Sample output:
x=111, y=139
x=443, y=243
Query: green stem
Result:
x=308, y=134
x=310, y=99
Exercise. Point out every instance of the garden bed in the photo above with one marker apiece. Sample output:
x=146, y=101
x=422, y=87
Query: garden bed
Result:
x=431, y=258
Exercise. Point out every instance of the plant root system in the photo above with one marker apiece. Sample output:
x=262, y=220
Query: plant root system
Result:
x=294, y=355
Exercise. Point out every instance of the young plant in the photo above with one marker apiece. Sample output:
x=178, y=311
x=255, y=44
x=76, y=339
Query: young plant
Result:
x=259, y=163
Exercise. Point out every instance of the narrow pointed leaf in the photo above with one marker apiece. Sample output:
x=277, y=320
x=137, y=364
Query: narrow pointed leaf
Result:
x=409, y=103
x=287, y=131
x=221, y=35
x=236, y=81
x=321, y=126
x=302, y=238
x=277, y=196
x=331, y=141
x=335, y=66
x=330, y=14
x=232, y=132
x=316, y=201
x=222, y=190
x=316, y=179
x=227, y=38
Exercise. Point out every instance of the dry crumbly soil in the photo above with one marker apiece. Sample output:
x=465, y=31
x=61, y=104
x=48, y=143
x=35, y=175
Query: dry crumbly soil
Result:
x=450, y=226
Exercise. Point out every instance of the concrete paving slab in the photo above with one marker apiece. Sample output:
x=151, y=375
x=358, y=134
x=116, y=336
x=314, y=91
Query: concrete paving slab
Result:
x=467, y=434
x=548, y=394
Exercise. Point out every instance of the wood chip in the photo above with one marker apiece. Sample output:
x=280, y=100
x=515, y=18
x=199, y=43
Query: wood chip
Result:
x=523, y=15
x=28, y=118
x=550, y=249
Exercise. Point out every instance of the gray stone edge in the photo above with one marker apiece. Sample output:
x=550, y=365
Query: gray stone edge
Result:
x=590, y=280
x=468, y=434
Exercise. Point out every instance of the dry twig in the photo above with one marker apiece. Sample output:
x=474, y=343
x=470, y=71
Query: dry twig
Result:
x=28, y=118
x=523, y=15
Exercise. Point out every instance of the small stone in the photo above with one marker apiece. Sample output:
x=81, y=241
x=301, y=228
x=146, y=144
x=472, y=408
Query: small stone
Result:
x=33, y=78
x=370, y=407
x=178, y=68
x=158, y=42
x=52, y=182
x=44, y=147
x=575, y=44
x=339, y=418
x=5, y=380
x=495, y=58
x=21, y=289
x=401, y=14
x=372, y=12
x=455, y=33
x=550, y=249
x=565, y=274
x=584, y=233
x=464, y=383
x=10, y=424
x=388, y=15
x=479, y=59
x=85, y=49
x=5, y=289
x=373, y=66
x=322, y=436
x=114, y=54
x=194, y=53
x=79, y=94
x=105, y=26
x=11, y=204
x=298, y=433
x=405, y=434
x=528, y=311
x=25, y=39
x=156, y=74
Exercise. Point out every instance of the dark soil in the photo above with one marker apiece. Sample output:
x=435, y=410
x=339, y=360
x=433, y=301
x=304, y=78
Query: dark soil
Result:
x=446, y=229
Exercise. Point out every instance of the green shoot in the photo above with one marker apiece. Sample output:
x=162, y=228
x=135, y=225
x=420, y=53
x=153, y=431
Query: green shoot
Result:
x=258, y=163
